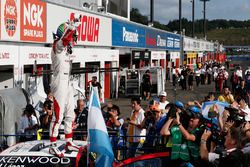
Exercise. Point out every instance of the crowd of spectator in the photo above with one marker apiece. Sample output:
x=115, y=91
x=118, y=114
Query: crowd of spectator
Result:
x=221, y=139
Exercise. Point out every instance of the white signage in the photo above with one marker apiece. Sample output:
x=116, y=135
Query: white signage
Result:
x=8, y=55
x=94, y=30
x=32, y=53
x=158, y=55
x=128, y=36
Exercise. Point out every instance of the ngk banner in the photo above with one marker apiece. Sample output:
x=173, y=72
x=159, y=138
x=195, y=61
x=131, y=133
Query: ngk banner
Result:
x=23, y=20
x=33, y=21
x=93, y=30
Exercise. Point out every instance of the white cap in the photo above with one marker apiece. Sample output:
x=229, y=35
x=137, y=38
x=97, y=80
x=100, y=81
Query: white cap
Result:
x=163, y=93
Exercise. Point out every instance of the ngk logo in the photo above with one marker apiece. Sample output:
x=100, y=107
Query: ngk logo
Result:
x=33, y=21
x=88, y=28
x=10, y=17
x=33, y=14
x=11, y=10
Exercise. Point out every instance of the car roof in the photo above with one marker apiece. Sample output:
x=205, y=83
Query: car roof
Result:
x=39, y=148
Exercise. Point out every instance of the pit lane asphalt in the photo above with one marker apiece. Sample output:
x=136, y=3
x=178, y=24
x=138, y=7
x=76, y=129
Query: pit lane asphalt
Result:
x=182, y=95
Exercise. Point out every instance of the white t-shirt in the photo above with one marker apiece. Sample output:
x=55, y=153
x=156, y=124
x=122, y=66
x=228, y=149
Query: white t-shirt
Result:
x=163, y=105
x=239, y=73
x=137, y=131
x=247, y=111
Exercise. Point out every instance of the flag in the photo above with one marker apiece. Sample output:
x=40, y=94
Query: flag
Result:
x=209, y=107
x=98, y=138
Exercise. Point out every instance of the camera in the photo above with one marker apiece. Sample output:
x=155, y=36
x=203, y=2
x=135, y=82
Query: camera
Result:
x=208, y=124
x=235, y=116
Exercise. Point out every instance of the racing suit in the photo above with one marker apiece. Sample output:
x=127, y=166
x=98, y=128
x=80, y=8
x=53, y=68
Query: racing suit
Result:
x=62, y=88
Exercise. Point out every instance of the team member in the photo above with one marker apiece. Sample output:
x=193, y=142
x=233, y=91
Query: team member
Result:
x=61, y=87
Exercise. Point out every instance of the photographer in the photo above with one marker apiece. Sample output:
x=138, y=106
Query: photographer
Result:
x=151, y=123
x=232, y=154
x=185, y=140
x=45, y=119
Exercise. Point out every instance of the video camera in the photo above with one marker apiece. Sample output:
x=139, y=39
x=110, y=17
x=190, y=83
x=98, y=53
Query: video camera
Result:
x=235, y=116
x=209, y=124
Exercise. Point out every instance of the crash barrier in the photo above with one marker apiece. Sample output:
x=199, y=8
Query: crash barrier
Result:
x=120, y=143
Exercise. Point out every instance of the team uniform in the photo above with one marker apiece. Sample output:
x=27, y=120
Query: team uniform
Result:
x=62, y=90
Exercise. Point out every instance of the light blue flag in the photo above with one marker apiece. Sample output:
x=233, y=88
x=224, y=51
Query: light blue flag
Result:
x=98, y=138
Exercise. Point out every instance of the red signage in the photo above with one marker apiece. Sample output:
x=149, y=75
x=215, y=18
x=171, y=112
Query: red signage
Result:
x=150, y=41
x=33, y=21
x=88, y=29
x=10, y=17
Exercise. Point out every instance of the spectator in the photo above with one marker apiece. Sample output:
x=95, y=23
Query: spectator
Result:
x=105, y=110
x=23, y=124
x=203, y=75
x=248, y=86
x=185, y=141
x=220, y=80
x=115, y=123
x=234, y=81
x=81, y=115
x=184, y=78
x=46, y=118
x=163, y=101
x=190, y=80
x=232, y=145
x=31, y=121
x=197, y=76
x=209, y=75
x=239, y=72
x=146, y=85
x=174, y=75
x=135, y=129
x=97, y=84
x=226, y=96
x=241, y=91
x=151, y=124
x=87, y=97
x=248, y=70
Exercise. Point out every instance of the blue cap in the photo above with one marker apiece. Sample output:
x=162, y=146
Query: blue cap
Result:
x=195, y=109
x=179, y=104
x=153, y=101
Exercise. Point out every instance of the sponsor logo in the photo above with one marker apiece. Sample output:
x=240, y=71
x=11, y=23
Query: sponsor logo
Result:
x=11, y=160
x=4, y=55
x=150, y=41
x=177, y=43
x=39, y=56
x=33, y=21
x=130, y=36
x=10, y=17
x=170, y=43
x=88, y=29
x=161, y=42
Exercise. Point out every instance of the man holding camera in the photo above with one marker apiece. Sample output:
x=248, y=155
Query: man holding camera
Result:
x=228, y=157
x=185, y=140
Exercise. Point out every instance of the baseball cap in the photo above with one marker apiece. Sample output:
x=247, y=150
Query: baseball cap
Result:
x=163, y=93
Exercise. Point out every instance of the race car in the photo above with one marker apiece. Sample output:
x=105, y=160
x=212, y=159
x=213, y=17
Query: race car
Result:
x=36, y=153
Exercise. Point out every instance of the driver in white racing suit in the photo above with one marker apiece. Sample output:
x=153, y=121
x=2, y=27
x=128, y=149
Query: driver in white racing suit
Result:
x=61, y=87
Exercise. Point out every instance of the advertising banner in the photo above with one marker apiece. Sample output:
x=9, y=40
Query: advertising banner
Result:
x=127, y=34
x=32, y=53
x=8, y=55
x=10, y=20
x=94, y=30
x=33, y=21
x=173, y=41
x=156, y=39
x=23, y=20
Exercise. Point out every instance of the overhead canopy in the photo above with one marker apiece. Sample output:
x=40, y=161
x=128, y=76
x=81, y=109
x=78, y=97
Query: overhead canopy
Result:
x=12, y=103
